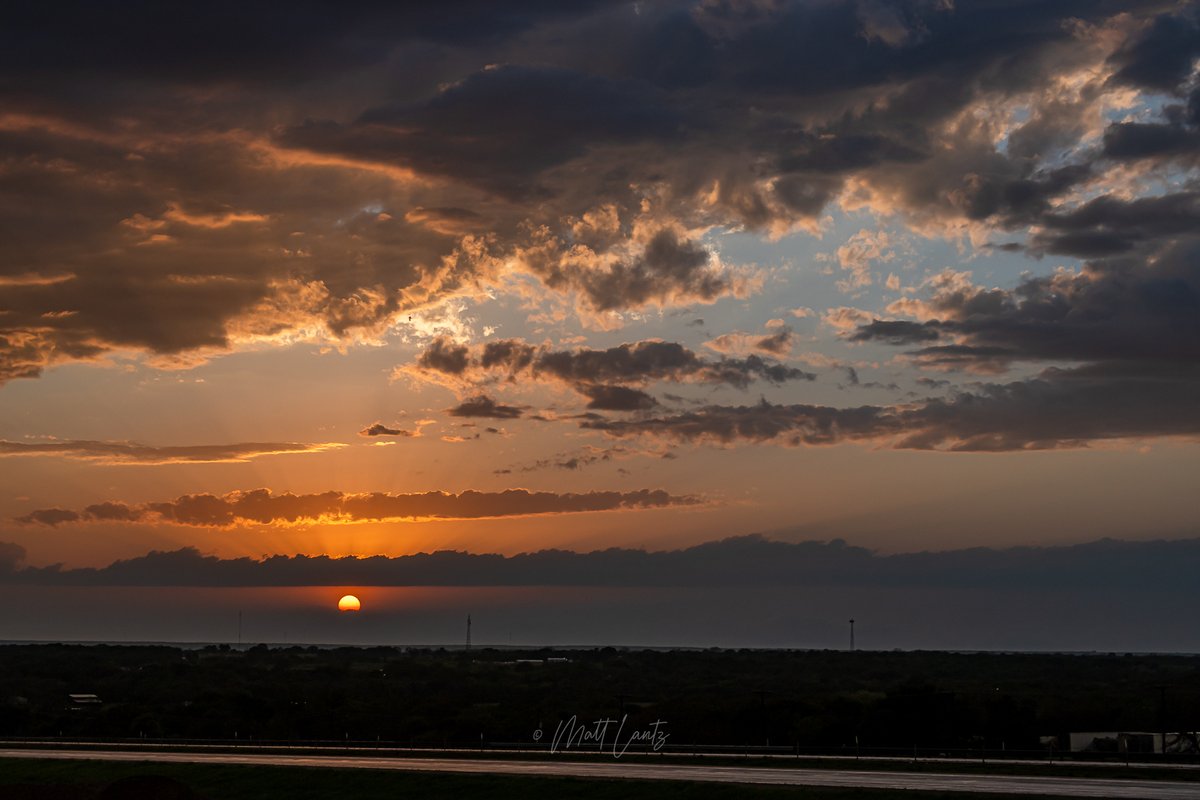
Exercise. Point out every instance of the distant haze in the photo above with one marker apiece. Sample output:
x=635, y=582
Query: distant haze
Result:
x=747, y=592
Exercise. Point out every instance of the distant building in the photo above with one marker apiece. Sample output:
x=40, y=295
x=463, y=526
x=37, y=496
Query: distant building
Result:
x=1115, y=742
x=1183, y=743
x=80, y=701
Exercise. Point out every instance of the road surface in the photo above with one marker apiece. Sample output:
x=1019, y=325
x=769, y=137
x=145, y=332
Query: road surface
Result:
x=998, y=784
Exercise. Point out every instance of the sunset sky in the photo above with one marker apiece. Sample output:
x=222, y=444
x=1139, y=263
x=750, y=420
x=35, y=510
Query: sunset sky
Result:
x=380, y=279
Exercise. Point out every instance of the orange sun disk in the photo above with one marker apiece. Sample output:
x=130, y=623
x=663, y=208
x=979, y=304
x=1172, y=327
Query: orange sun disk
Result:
x=349, y=603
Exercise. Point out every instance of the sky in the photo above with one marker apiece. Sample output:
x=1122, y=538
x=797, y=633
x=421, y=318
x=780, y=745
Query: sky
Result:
x=386, y=279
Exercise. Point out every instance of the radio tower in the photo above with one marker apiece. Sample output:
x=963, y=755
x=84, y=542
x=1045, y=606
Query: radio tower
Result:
x=468, y=631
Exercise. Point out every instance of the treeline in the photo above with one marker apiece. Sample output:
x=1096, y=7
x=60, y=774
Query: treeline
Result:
x=434, y=698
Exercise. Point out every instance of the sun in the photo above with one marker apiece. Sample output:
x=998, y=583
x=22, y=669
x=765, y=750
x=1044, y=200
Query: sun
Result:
x=349, y=603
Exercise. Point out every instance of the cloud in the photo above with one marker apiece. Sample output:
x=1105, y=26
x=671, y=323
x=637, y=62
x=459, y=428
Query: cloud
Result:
x=107, y=512
x=484, y=406
x=896, y=331
x=1163, y=54
x=778, y=344
x=1109, y=226
x=379, y=429
x=50, y=516
x=1114, y=311
x=261, y=507
x=11, y=556
x=669, y=270
x=613, y=376
x=740, y=561
x=845, y=318
x=765, y=422
x=603, y=397
x=261, y=181
x=860, y=252
x=1150, y=142
x=101, y=452
x=585, y=456
x=447, y=221
x=536, y=116
x=1121, y=336
x=443, y=355
x=1059, y=409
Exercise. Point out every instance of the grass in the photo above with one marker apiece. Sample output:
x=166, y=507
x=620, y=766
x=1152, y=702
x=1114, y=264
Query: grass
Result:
x=32, y=779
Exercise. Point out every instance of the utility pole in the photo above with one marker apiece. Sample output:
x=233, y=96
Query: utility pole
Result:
x=852, y=635
x=239, y=629
x=468, y=631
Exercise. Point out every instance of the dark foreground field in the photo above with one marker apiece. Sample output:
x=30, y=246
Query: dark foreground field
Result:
x=795, y=701
x=47, y=780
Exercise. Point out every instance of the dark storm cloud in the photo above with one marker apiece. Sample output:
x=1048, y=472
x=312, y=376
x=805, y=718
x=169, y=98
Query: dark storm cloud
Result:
x=595, y=372
x=746, y=560
x=633, y=362
x=181, y=272
x=1114, y=311
x=667, y=267
x=226, y=173
x=133, y=453
x=484, y=406
x=764, y=422
x=534, y=118
x=445, y=356
x=224, y=41
x=1128, y=323
x=1059, y=409
x=895, y=331
x=1162, y=56
x=1109, y=226
x=510, y=355
x=1140, y=141
x=261, y=507
x=1062, y=408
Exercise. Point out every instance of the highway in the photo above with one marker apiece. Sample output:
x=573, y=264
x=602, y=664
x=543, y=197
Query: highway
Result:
x=945, y=782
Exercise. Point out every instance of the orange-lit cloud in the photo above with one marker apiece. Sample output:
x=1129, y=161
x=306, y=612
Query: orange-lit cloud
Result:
x=261, y=506
x=134, y=453
x=778, y=344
